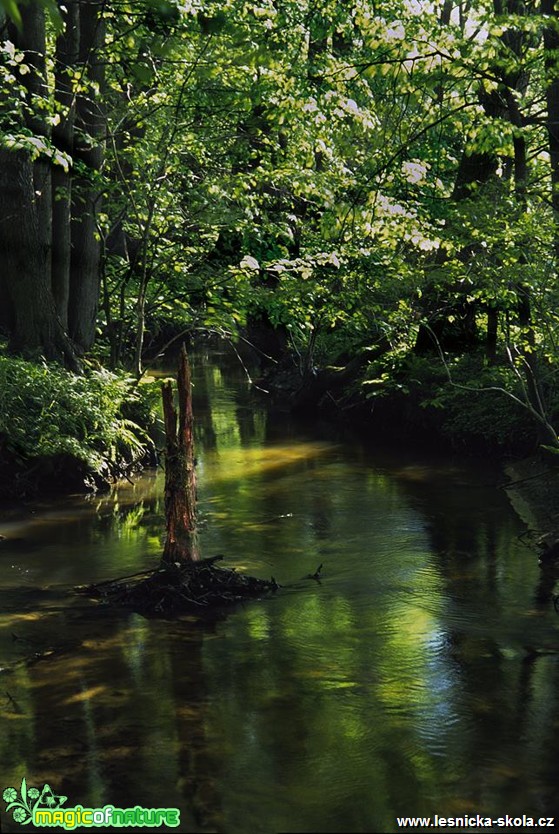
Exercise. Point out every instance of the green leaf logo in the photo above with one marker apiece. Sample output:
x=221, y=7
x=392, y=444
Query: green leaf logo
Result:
x=22, y=805
x=49, y=799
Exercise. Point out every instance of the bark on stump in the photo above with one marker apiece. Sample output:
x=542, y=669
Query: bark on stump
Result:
x=180, y=479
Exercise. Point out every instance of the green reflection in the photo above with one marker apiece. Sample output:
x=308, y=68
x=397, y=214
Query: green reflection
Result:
x=417, y=677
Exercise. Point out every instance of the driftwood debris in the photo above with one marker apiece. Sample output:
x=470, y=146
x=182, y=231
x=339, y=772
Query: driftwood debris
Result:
x=177, y=588
x=183, y=581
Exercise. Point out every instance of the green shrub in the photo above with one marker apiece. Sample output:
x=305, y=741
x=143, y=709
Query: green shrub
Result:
x=48, y=411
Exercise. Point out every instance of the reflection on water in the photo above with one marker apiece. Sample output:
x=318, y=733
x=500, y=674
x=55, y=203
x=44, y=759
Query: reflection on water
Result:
x=419, y=676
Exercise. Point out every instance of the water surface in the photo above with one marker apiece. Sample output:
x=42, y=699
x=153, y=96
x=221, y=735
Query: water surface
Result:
x=419, y=676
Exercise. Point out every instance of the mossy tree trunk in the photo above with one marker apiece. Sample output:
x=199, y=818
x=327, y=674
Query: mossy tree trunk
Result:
x=180, y=480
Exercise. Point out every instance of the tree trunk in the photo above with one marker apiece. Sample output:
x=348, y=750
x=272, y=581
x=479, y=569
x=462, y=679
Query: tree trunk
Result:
x=66, y=57
x=477, y=168
x=90, y=126
x=551, y=47
x=36, y=328
x=26, y=214
x=180, y=480
x=31, y=39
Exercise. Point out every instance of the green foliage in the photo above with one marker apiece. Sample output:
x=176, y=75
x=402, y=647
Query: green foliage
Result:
x=352, y=174
x=47, y=411
x=472, y=405
x=12, y=9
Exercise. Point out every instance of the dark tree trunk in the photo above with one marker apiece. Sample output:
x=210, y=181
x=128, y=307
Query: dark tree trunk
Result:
x=66, y=57
x=32, y=41
x=477, y=168
x=452, y=324
x=36, y=328
x=318, y=42
x=180, y=481
x=26, y=215
x=86, y=202
x=551, y=46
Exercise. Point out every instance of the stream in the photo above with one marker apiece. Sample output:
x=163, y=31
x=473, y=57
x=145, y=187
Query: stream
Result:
x=419, y=676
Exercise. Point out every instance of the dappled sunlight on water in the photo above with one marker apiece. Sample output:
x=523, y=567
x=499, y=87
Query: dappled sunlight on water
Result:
x=233, y=464
x=419, y=675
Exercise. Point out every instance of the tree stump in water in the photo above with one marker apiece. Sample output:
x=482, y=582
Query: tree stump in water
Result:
x=181, y=545
x=183, y=581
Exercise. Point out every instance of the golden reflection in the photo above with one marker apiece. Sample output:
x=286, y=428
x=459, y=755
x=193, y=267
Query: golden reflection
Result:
x=86, y=695
x=235, y=464
x=9, y=620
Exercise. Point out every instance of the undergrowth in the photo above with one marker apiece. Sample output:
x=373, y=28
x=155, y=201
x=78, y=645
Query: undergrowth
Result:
x=46, y=411
x=468, y=408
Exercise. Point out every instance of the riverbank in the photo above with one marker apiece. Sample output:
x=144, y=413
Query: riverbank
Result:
x=470, y=423
x=416, y=404
x=533, y=490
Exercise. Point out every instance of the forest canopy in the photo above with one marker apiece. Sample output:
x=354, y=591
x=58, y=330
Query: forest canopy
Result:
x=377, y=181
